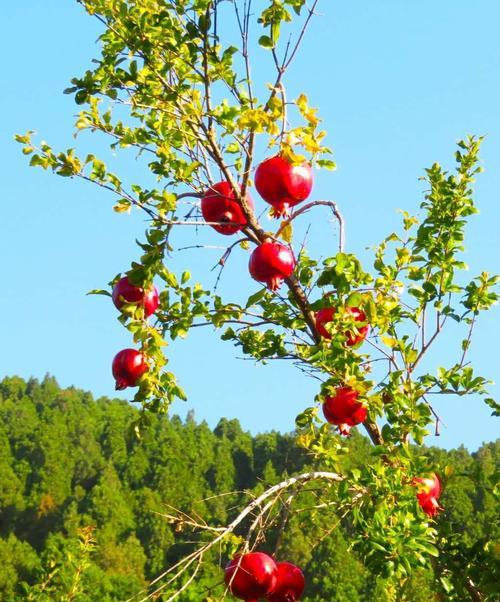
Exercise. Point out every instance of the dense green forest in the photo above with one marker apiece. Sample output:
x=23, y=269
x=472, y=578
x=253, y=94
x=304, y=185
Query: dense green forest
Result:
x=83, y=502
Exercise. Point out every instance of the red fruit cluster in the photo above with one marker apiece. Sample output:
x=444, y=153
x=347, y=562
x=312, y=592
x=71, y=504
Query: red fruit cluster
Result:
x=344, y=410
x=256, y=575
x=429, y=490
x=129, y=364
x=325, y=316
x=282, y=184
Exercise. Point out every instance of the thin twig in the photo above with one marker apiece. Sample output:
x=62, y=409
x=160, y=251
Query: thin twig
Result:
x=301, y=35
x=334, y=208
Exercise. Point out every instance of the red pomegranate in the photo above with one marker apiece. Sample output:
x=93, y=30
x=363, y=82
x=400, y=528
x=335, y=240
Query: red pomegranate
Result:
x=429, y=490
x=251, y=576
x=344, y=410
x=219, y=205
x=429, y=504
x=289, y=585
x=325, y=315
x=271, y=262
x=128, y=367
x=282, y=184
x=429, y=485
x=125, y=292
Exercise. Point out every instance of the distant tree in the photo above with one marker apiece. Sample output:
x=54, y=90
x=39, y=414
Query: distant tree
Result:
x=335, y=574
x=136, y=532
x=63, y=570
x=18, y=562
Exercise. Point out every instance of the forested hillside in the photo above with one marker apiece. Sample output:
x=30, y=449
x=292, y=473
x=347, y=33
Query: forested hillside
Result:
x=81, y=500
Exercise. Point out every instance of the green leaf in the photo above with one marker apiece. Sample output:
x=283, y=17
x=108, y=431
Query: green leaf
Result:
x=37, y=161
x=326, y=164
x=429, y=549
x=266, y=42
x=286, y=232
x=305, y=418
x=354, y=300
x=256, y=297
x=446, y=583
x=494, y=405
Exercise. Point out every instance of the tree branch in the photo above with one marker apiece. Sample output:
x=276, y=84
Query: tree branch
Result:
x=475, y=594
x=334, y=208
x=259, y=504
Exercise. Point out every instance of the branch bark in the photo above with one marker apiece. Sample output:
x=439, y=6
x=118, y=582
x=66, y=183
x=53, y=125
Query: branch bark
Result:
x=474, y=593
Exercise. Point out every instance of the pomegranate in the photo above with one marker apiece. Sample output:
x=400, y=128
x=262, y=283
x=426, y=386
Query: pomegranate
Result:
x=429, y=485
x=219, y=205
x=344, y=410
x=428, y=492
x=429, y=504
x=251, y=576
x=325, y=315
x=289, y=585
x=282, y=184
x=128, y=367
x=125, y=292
x=271, y=262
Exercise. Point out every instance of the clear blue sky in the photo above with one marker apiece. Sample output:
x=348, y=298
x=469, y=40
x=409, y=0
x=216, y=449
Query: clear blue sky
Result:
x=398, y=83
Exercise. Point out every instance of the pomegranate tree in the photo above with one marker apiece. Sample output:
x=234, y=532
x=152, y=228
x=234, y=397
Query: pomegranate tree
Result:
x=186, y=104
